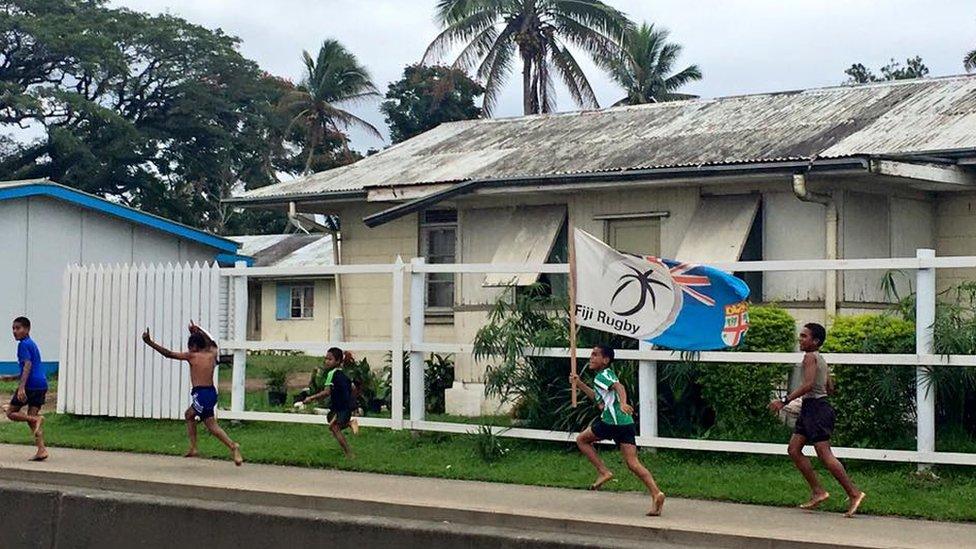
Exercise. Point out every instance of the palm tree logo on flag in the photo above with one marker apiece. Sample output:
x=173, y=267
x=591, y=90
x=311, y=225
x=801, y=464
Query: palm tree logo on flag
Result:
x=623, y=293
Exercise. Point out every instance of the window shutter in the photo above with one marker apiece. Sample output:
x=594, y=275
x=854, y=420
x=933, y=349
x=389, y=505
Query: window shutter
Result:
x=282, y=302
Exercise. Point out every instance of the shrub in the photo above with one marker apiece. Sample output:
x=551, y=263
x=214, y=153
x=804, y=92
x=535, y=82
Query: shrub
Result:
x=875, y=404
x=438, y=376
x=538, y=387
x=276, y=378
x=740, y=393
x=488, y=445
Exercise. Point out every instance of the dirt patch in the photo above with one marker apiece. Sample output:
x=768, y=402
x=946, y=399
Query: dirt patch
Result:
x=296, y=382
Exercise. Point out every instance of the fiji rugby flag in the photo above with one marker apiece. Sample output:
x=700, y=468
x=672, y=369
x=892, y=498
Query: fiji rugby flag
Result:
x=671, y=304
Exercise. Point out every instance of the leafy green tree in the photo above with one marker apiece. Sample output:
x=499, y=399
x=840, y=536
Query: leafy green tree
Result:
x=428, y=96
x=970, y=61
x=913, y=68
x=333, y=79
x=644, y=67
x=494, y=33
x=151, y=111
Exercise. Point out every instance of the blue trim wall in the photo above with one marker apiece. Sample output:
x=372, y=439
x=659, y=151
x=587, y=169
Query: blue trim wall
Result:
x=12, y=368
x=86, y=200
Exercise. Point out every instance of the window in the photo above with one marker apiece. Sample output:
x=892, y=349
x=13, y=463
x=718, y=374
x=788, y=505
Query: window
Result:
x=295, y=301
x=438, y=243
x=639, y=236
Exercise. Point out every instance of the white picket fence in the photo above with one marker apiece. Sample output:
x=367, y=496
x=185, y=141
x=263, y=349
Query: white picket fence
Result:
x=106, y=369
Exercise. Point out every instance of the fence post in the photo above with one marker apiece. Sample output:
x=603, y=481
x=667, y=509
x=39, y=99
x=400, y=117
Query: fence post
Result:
x=240, y=335
x=647, y=393
x=396, y=346
x=418, y=397
x=925, y=345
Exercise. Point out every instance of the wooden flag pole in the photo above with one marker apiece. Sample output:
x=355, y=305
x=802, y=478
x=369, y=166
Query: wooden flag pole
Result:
x=572, y=307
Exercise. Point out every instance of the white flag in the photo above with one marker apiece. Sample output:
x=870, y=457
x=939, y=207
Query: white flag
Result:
x=622, y=293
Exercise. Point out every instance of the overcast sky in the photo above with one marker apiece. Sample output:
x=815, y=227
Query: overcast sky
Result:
x=742, y=46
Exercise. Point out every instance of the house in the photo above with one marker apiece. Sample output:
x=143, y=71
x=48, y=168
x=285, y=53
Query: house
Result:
x=47, y=226
x=875, y=170
x=293, y=308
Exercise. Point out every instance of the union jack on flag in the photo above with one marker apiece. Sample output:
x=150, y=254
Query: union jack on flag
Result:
x=704, y=322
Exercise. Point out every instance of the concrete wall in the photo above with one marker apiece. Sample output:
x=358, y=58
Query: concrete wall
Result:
x=317, y=328
x=42, y=236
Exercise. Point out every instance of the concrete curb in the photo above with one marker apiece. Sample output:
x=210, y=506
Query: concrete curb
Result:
x=130, y=495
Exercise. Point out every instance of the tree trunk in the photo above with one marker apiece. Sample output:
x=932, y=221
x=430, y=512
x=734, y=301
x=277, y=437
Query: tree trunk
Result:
x=529, y=102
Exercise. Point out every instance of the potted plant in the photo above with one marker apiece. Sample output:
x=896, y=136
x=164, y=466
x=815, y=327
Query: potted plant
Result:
x=276, y=378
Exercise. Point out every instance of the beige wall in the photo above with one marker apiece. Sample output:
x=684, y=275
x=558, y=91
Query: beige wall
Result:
x=317, y=328
x=955, y=234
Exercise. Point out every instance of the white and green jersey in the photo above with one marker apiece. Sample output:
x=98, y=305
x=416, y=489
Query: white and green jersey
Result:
x=612, y=414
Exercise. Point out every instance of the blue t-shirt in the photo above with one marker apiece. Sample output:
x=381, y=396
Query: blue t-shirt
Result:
x=27, y=350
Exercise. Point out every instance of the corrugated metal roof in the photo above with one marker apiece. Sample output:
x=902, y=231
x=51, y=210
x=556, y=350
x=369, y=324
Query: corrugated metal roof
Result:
x=904, y=117
x=287, y=250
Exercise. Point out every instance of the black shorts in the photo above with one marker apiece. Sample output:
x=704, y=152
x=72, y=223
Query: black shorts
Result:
x=35, y=398
x=620, y=434
x=816, y=421
x=342, y=418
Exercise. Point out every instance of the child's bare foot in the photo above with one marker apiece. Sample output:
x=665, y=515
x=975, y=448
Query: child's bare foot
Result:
x=601, y=479
x=192, y=453
x=815, y=501
x=238, y=459
x=658, y=505
x=354, y=425
x=855, y=503
x=39, y=456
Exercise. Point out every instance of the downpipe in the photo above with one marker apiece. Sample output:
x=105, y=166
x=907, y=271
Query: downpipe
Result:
x=830, y=277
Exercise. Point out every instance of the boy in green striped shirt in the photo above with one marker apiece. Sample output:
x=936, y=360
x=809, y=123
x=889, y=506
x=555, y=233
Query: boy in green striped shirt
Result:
x=616, y=422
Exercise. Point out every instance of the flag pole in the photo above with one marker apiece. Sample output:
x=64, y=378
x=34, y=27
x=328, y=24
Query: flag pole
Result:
x=572, y=306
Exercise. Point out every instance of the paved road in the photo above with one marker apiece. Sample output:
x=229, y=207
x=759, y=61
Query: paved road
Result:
x=500, y=505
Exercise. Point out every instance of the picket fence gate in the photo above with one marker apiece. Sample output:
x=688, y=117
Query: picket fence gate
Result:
x=106, y=369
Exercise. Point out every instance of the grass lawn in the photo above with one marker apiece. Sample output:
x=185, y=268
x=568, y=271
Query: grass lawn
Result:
x=10, y=386
x=769, y=480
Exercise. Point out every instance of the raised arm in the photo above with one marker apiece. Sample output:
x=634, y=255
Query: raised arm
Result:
x=163, y=350
x=574, y=379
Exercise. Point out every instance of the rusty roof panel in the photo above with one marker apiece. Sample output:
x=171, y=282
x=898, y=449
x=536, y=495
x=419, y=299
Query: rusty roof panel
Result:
x=905, y=117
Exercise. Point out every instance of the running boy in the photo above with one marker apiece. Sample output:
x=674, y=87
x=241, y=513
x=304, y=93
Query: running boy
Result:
x=816, y=422
x=339, y=388
x=32, y=387
x=202, y=356
x=616, y=422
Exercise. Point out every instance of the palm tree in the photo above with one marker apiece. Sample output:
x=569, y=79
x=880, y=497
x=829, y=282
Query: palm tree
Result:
x=494, y=32
x=644, y=67
x=970, y=61
x=332, y=79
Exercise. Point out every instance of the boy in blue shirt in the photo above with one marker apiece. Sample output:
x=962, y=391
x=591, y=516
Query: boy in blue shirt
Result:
x=32, y=387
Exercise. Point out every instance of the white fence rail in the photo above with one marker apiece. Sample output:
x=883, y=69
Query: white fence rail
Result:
x=106, y=370
x=924, y=265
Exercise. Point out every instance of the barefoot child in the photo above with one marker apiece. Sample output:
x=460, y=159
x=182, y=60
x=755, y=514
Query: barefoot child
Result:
x=616, y=422
x=339, y=388
x=816, y=422
x=202, y=356
x=32, y=387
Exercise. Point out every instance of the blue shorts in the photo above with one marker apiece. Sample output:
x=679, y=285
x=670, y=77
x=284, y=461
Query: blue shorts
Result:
x=204, y=400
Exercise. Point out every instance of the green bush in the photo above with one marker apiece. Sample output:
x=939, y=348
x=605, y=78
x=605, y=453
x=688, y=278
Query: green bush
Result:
x=537, y=387
x=740, y=393
x=438, y=377
x=875, y=404
x=276, y=378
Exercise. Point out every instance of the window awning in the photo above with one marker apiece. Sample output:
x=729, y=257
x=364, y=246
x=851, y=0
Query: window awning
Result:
x=719, y=229
x=526, y=236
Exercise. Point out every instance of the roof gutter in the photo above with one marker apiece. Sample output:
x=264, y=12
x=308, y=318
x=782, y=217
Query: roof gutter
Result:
x=337, y=196
x=469, y=187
